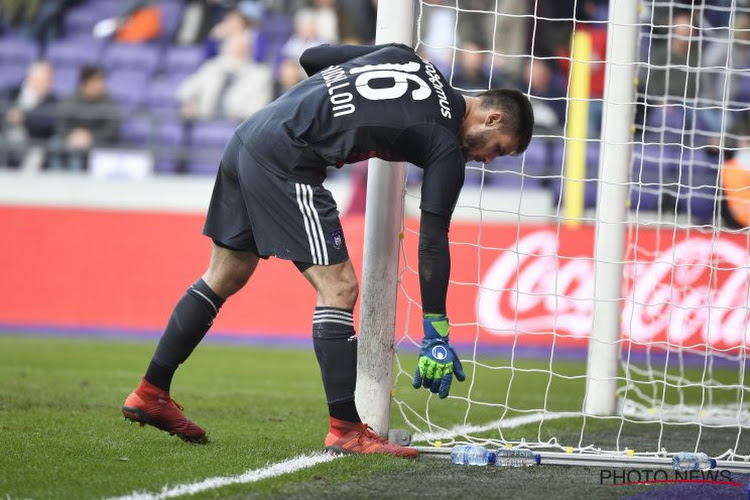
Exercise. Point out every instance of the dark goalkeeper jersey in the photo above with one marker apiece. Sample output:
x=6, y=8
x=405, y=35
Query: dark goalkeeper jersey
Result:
x=362, y=102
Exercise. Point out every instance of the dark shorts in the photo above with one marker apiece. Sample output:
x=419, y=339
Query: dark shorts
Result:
x=254, y=209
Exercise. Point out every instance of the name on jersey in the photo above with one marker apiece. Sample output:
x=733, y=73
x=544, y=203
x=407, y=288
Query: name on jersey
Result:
x=437, y=84
x=340, y=97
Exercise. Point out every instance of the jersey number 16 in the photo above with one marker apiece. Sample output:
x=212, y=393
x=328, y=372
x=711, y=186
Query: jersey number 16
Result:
x=400, y=74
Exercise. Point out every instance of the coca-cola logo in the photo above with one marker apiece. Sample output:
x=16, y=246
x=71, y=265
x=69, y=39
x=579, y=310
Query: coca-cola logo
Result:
x=691, y=293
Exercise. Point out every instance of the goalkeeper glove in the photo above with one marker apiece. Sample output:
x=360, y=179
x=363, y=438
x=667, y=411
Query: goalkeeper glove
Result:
x=437, y=361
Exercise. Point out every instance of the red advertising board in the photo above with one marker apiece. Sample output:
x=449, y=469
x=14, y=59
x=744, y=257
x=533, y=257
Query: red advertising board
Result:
x=529, y=284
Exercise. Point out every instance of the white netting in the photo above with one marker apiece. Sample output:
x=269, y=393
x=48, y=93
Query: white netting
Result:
x=522, y=288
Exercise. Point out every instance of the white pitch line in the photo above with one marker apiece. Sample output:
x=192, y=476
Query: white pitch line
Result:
x=251, y=476
x=506, y=423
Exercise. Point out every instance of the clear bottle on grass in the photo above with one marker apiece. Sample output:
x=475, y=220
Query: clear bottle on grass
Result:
x=516, y=457
x=471, y=454
x=692, y=461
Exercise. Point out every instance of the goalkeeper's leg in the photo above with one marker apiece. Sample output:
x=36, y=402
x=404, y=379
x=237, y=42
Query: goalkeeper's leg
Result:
x=335, y=343
x=191, y=318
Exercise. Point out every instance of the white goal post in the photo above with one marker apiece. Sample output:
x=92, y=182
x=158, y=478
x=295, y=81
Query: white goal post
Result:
x=383, y=214
x=617, y=136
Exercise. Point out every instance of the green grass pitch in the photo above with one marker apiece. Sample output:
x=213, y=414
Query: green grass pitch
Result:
x=63, y=435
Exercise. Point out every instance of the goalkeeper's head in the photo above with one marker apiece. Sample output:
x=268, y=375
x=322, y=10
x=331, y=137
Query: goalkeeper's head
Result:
x=498, y=122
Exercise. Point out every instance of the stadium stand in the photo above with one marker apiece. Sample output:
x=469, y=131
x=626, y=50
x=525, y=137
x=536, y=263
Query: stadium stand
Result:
x=144, y=79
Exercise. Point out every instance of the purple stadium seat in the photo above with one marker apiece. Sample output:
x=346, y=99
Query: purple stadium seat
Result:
x=276, y=29
x=472, y=175
x=65, y=81
x=80, y=20
x=512, y=163
x=17, y=51
x=698, y=185
x=557, y=171
x=12, y=76
x=144, y=58
x=648, y=177
x=537, y=158
x=207, y=142
x=128, y=86
x=163, y=137
x=512, y=180
x=171, y=12
x=668, y=124
x=645, y=197
x=162, y=93
x=741, y=87
x=183, y=59
x=590, y=189
x=75, y=51
x=106, y=9
x=136, y=131
x=170, y=141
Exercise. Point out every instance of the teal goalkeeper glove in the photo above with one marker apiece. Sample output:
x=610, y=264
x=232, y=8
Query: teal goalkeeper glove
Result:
x=437, y=361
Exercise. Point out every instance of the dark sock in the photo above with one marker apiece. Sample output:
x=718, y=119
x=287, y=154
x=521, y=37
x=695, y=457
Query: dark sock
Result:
x=344, y=410
x=335, y=344
x=191, y=318
x=160, y=376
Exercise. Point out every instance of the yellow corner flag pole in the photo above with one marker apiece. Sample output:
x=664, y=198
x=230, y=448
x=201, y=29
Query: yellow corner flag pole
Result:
x=576, y=129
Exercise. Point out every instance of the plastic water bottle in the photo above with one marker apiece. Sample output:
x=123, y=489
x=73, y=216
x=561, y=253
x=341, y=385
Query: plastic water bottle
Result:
x=516, y=457
x=692, y=461
x=470, y=454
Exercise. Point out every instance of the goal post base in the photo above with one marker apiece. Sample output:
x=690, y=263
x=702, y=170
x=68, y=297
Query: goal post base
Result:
x=401, y=437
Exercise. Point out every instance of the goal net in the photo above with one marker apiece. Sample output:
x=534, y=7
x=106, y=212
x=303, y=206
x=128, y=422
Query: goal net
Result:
x=529, y=300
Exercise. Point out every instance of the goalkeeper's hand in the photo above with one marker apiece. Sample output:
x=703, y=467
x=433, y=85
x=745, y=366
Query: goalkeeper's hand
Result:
x=437, y=361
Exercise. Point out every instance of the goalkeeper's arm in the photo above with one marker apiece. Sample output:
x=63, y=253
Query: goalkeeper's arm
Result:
x=437, y=362
x=434, y=262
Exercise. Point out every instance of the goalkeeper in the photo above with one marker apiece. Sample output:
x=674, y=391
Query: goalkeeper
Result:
x=269, y=200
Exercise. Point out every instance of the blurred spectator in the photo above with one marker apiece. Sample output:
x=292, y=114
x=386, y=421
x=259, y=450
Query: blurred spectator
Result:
x=472, y=74
x=197, y=20
x=356, y=20
x=735, y=175
x=503, y=20
x=288, y=74
x=735, y=183
x=243, y=19
x=546, y=92
x=326, y=19
x=30, y=117
x=439, y=33
x=18, y=13
x=306, y=34
x=598, y=34
x=46, y=24
x=139, y=22
x=673, y=63
x=228, y=86
x=553, y=26
x=88, y=118
x=722, y=98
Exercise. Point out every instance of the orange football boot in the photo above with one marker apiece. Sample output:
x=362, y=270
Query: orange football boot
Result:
x=349, y=437
x=150, y=405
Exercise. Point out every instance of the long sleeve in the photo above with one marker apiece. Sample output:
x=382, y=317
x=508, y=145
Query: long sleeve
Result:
x=434, y=262
x=105, y=127
x=40, y=122
x=316, y=58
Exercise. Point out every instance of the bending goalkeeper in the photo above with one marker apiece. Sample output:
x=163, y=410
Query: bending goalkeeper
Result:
x=269, y=200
